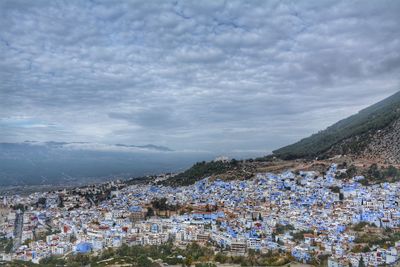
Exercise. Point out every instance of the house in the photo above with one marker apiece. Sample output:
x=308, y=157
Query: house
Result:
x=238, y=247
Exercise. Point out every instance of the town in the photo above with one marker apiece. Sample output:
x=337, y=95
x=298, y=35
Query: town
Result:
x=306, y=216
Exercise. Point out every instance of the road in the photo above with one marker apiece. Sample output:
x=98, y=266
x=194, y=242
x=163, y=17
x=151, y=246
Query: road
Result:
x=19, y=221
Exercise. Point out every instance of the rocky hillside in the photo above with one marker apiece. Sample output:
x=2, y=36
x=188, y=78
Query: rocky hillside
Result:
x=385, y=144
x=378, y=146
x=373, y=133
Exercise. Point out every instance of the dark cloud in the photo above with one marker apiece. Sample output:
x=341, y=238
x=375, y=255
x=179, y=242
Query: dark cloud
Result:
x=210, y=75
x=157, y=117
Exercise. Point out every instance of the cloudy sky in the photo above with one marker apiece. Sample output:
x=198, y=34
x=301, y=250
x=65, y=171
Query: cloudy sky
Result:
x=192, y=75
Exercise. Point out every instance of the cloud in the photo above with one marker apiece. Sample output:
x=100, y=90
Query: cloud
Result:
x=155, y=117
x=23, y=122
x=213, y=75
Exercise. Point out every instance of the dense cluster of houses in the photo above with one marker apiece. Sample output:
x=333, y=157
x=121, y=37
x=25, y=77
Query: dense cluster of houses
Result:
x=263, y=214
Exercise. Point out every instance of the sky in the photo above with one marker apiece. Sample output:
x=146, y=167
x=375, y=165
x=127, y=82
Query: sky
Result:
x=220, y=76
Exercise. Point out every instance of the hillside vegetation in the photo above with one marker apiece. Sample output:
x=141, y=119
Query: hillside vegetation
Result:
x=201, y=170
x=351, y=135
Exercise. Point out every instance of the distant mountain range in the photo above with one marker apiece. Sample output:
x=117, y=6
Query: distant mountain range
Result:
x=373, y=133
x=89, y=146
x=73, y=163
x=149, y=146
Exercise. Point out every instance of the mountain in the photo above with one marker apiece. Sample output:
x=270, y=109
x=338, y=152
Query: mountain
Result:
x=372, y=133
x=74, y=163
x=149, y=146
x=35, y=145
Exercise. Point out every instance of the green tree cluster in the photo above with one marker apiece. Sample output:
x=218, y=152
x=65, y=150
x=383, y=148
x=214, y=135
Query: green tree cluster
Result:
x=201, y=170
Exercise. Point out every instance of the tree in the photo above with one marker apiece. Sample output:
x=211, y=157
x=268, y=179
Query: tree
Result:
x=280, y=228
x=52, y=261
x=189, y=260
x=361, y=262
x=208, y=264
x=351, y=171
x=234, y=162
x=150, y=212
x=391, y=171
x=374, y=172
x=82, y=259
x=9, y=246
x=41, y=201
x=27, y=241
x=72, y=238
x=143, y=261
x=19, y=206
x=60, y=202
x=221, y=258
x=273, y=236
x=123, y=250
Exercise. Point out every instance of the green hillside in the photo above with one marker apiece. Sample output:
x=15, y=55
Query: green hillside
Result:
x=201, y=170
x=368, y=120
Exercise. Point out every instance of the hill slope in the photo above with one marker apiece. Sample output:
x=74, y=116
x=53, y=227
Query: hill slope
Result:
x=373, y=132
